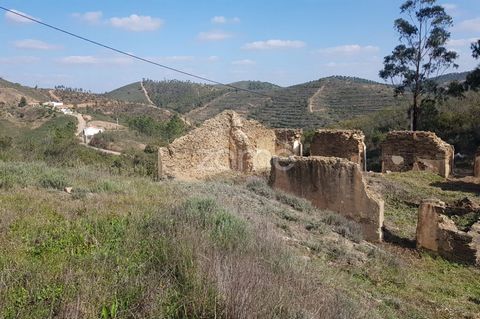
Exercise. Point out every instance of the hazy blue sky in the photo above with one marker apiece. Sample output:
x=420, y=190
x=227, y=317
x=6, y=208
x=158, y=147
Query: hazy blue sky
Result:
x=280, y=41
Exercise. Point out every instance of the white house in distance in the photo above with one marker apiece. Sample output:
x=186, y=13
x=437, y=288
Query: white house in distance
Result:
x=90, y=132
x=53, y=104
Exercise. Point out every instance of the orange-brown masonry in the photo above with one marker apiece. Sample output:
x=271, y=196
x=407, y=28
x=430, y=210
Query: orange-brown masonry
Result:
x=332, y=184
x=348, y=144
x=224, y=143
x=423, y=151
x=438, y=233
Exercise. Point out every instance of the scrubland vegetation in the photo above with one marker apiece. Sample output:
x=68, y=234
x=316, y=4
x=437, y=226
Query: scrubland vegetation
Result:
x=123, y=246
x=128, y=247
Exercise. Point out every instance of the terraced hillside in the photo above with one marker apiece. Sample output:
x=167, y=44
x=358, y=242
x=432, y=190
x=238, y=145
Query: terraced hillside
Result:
x=242, y=102
x=289, y=108
x=181, y=96
x=327, y=100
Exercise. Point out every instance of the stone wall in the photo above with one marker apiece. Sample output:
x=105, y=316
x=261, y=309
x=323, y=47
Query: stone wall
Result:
x=224, y=143
x=438, y=233
x=423, y=151
x=348, y=144
x=288, y=142
x=331, y=184
x=476, y=167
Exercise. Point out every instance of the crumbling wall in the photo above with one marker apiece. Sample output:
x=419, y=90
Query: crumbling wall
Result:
x=438, y=233
x=348, y=144
x=476, y=167
x=331, y=184
x=288, y=142
x=422, y=151
x=224, y=143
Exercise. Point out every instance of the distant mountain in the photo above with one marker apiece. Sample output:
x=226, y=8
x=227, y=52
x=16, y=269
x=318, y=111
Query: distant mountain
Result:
x=11, y=93
x=131, y=93
x=324, y=101
x=450, y=77
x=306, y=105
x=255, y=85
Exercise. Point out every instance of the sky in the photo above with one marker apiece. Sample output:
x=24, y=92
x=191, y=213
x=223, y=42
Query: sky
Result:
x=285, y=42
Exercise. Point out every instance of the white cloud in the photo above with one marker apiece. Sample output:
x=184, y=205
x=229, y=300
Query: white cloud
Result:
x=10, y=16
x=92, y=17
x=224, y=20
x=178, y=58
x=244, y=62
x=19, y=60
x=215, y=35
x=274, y=44
x=94, y=60
x=31, y=44
x=350, y=49
x=213, y=58
x=79, y=59
x=461, y=42
x=472, y=25
x=137, y=23
x=449, y=6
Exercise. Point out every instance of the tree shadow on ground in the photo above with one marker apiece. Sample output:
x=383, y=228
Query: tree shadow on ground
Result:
x=460, y=186
x=392, y=238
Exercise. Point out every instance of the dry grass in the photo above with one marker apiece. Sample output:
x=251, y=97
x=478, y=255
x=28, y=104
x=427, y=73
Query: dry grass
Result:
x=125, y=247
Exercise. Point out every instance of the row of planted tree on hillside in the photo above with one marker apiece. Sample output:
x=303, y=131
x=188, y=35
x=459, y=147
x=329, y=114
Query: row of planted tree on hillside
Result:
x=423, y=54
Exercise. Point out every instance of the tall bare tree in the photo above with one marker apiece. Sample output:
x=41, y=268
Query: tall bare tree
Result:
x=421, y=54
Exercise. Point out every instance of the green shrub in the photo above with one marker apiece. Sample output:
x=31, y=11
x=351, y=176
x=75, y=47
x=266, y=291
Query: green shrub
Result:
x=226, y=230
x=53, y=180
x=345, y=227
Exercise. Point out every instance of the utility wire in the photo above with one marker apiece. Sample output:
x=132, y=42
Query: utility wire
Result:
x=133, y=55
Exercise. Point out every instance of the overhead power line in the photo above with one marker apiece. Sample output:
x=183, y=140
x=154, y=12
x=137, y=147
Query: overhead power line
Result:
x=133, y=55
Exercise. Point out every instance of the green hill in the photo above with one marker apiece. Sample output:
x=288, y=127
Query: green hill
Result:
x=181, y=96
x=131, y=93
x=255, y=85
x=308, y=105
x=450, y=77
x=12, y=90
x=324, y=101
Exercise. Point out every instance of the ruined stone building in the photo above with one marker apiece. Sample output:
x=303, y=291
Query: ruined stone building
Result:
x=439, y=233
x=225, y=143
x=288, y=142
x=348, y=144
x=331, y=184
x=422, y=151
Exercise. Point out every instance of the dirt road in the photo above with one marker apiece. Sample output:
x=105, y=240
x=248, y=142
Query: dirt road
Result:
x=311, y=100
x=146, y=93
x=54, y=96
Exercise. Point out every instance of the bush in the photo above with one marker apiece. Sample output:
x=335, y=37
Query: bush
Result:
x=53, y=180
x=226, y=230
x=345, y=227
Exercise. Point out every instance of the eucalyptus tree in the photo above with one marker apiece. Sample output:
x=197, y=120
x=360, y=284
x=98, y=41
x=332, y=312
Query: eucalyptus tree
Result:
x=421, y=53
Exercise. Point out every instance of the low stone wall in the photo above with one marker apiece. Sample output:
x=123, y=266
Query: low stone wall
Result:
x=222, y=144
x=348, y=144
x=422, y=151
x=331, y=184
x=476, y=167
x=438, y=233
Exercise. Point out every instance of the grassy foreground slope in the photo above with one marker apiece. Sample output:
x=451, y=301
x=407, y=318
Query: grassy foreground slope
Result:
x=127, y=247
